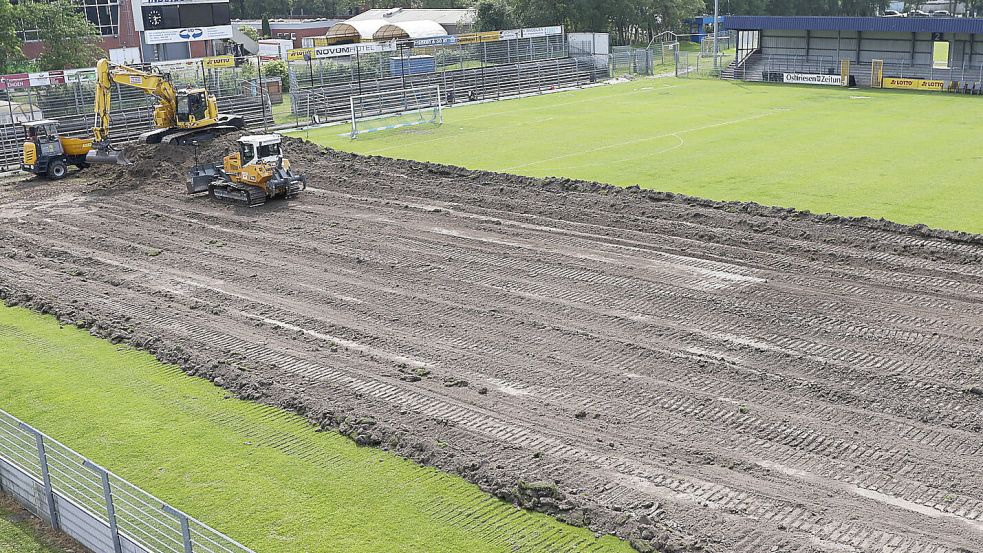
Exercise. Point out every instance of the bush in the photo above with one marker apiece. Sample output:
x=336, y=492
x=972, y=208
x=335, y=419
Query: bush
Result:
x=280, y=69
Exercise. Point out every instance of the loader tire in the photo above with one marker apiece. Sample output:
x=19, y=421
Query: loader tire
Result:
x=57, y=169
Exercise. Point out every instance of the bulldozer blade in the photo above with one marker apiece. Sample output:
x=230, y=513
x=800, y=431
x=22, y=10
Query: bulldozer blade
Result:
x=108, y=155
x=200, y=178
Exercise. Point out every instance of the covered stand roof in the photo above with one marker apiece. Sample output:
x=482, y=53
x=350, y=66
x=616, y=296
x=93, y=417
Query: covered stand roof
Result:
x=409, y=29
x=441, y=16
x=881, y=24
x=356, y=30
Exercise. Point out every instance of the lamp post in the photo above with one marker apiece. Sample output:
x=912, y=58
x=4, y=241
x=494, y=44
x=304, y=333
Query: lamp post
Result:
x=716, y=34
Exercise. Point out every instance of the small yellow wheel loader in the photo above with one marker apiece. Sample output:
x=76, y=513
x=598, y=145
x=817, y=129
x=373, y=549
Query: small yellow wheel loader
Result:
x=48, y=154
x=256, y=173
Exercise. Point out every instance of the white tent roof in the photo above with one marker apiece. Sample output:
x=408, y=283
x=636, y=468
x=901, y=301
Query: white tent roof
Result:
x=441, y=16
x=364, y=29
x=411, y=29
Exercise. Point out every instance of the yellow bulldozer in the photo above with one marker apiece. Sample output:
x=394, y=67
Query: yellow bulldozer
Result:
x=257, y=172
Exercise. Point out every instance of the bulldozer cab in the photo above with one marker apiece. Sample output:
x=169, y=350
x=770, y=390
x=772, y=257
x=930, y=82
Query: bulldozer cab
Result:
x=192, y=105
x=260, y=148
x=44, y=136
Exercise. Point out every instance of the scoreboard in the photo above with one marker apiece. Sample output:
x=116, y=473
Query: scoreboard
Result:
x=163, y=21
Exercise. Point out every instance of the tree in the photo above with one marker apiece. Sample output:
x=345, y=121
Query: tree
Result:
x=267, y=30
x=69, y=39
x=493, y=15
x=11, y=57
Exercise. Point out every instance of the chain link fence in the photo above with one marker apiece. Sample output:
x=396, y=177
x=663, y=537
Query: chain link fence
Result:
x=100, y=510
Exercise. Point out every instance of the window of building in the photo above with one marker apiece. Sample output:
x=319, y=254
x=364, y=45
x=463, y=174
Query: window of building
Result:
x=104, y=14
x=940, y=54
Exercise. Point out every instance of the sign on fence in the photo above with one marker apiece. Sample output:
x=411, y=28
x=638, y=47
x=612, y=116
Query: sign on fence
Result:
x=218, y=61
x=542, y=31
x=16, y=80
x=913, y=84
x=24, y=80
x=343, y=50
x=434, y=41
x=300, y=54
x=474, y=38
x=811, y=78
x=47, y=78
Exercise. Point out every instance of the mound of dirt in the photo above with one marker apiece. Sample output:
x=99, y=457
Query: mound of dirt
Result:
x=154, y=163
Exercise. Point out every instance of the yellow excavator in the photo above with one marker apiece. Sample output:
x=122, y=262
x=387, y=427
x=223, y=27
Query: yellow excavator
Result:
x=254, y=174
x=181, y=116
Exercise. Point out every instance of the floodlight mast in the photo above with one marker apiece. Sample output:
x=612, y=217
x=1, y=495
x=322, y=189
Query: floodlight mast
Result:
x=716, y=21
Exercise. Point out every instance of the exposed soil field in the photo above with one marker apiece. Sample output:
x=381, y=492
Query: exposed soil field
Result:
x=687, y=374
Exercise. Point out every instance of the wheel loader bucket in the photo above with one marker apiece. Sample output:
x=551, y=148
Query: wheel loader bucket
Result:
x=107, y=155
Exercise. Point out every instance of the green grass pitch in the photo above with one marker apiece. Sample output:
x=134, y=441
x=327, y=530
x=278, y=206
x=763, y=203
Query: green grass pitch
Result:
x=905, y=156
x=257, y=473
x=18, y=535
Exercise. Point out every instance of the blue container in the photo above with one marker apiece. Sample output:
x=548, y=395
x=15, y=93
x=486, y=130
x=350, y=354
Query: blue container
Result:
x=412, y=65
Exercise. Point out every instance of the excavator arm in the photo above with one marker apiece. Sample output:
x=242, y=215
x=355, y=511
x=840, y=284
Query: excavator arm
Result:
x=151, y=83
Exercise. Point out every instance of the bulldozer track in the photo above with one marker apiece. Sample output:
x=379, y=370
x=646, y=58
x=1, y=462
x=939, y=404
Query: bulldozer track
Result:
x=744, y=378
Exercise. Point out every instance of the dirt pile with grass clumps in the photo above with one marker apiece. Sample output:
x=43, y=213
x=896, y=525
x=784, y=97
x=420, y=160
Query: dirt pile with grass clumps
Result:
x=686, y=374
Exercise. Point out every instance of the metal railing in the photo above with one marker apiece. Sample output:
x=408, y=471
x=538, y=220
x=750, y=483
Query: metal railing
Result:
x=70, y=103
x=770, y=67
x=317, y=73
x=98, y=509
x=332, y=102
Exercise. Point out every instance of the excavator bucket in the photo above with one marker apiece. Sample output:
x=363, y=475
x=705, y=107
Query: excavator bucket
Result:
x=107, y=155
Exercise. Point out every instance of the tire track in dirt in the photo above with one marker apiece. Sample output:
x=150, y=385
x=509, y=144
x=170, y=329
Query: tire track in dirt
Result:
x=683, y=373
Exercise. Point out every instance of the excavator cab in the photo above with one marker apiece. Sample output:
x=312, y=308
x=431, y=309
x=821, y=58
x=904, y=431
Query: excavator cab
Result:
x=192, y=106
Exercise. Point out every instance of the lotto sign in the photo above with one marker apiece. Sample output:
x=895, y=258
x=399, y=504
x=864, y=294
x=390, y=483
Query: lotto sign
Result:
x=300, y=54
x=218, y=61
x=913, y=84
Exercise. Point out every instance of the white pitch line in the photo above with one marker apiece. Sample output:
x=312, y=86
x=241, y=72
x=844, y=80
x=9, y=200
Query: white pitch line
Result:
x=676, y=146
x=639, y=141
x=452, y=136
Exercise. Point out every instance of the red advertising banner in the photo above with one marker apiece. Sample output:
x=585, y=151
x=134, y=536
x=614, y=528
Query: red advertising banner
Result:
x=17, y=80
